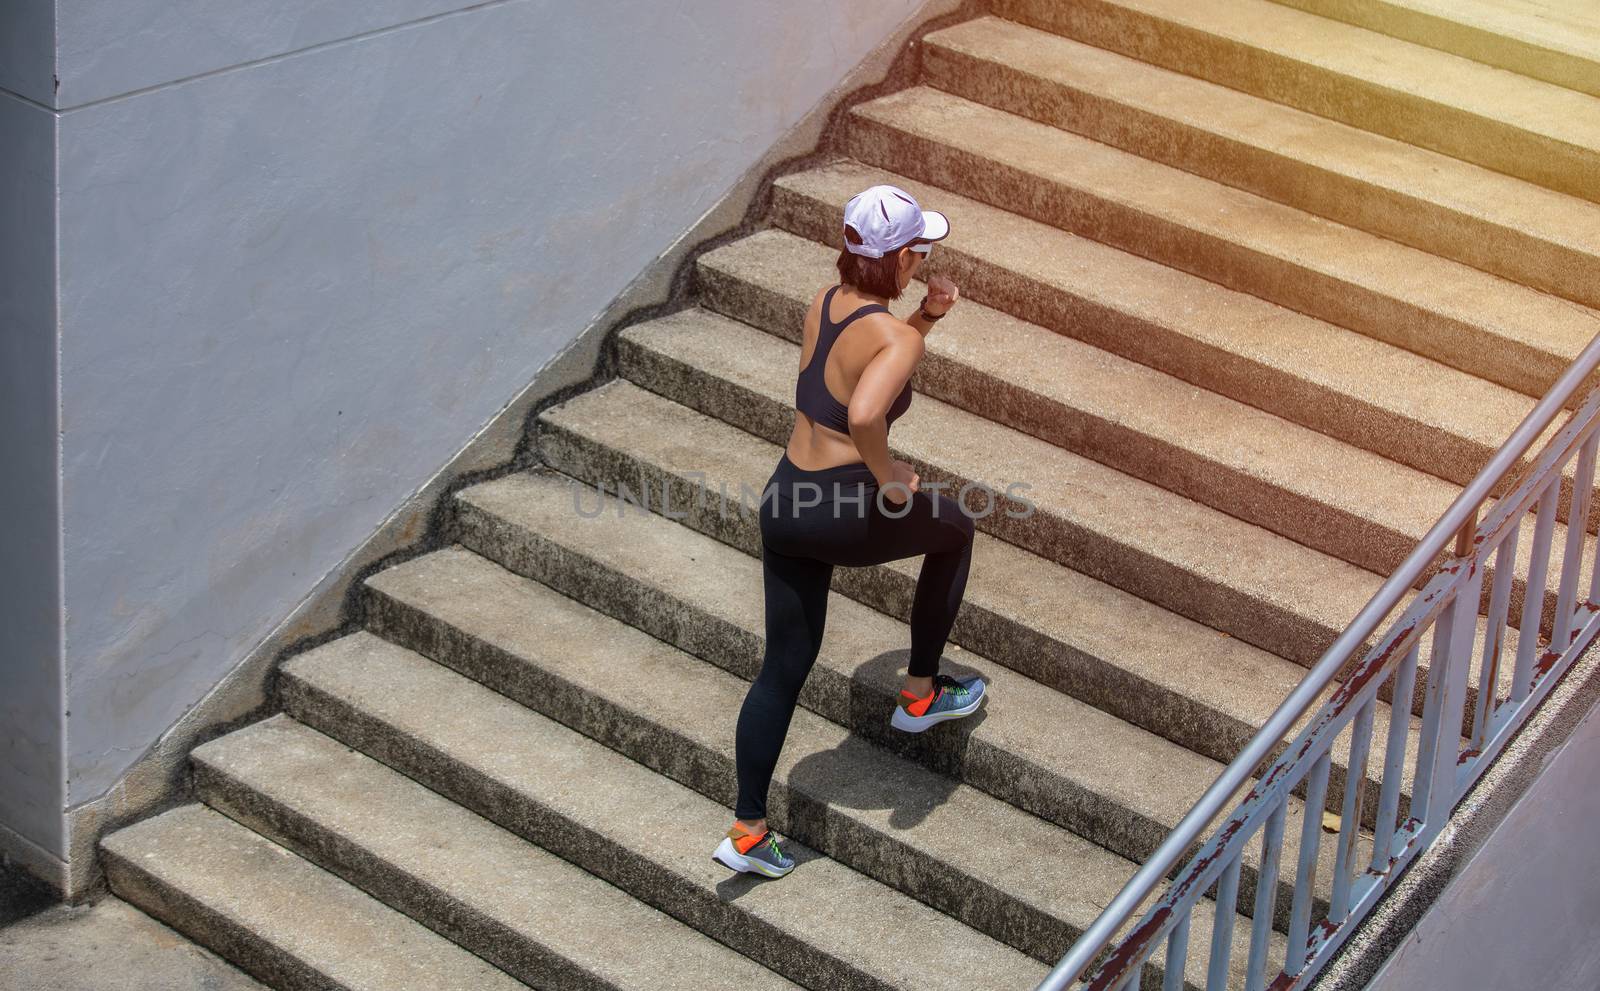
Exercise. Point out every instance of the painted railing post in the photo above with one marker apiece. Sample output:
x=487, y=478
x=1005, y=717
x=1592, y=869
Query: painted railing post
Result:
x=1266, y=899
x=1505, y=562
x=1222, y=928
x=1456, y=628
x=1533, y=599
x=1305, y=875
x=1394, y=761
x=1572, y=559
x=1177, y=955
x=1355, y=786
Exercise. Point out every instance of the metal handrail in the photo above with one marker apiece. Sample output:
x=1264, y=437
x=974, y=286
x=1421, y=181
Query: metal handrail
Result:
x=1457, y=520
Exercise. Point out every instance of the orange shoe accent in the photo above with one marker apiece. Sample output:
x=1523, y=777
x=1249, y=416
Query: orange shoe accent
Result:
x=744, y=840
x=746, y=843
x=918, y=705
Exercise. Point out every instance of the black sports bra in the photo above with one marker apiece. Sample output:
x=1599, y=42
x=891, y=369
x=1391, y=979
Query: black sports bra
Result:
x=811, y=395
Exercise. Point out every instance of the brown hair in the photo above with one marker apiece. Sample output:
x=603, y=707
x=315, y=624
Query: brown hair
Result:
x=876, y=276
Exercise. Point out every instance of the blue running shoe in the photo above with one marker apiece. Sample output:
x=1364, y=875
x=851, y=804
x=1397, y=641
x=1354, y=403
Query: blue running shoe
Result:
x=951, y=698
x=744, y=851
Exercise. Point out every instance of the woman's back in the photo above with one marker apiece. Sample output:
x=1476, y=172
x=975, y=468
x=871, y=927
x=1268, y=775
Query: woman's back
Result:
x=814, y=396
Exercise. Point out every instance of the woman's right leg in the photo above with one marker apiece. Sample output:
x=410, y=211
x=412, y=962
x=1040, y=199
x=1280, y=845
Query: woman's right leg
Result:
x=941, y=584
x=933, y=525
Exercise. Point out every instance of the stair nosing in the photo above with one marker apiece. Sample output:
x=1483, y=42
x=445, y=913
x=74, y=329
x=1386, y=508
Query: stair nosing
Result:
x=1287, y=236
x=318, y=686
x=1257, y=339
x=312, y=794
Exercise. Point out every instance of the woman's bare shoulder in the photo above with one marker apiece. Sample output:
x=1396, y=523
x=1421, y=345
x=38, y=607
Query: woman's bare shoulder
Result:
x=891, y=335
x=892, y=327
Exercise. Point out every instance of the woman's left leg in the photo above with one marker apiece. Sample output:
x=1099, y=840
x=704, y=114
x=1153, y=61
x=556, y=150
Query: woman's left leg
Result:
x=796, y=592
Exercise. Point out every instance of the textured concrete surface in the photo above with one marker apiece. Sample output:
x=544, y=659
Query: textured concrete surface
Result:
x=22, y=894
x=109, y=946
x=665, y=578
x=1510, y=123
x=525, y=910
x=1261, y=468
x=1409, y=297
x=1557, y=40
x=1366, y=392
x=1098, y=776
x=1068, y=764
x=1152, y=668
x=287, y=922
x=1375, y=396
x=1443, y=205
x=596, y=438
x=1250, y=465
x=1189, y=558
x=544, y=526
x=823, y=925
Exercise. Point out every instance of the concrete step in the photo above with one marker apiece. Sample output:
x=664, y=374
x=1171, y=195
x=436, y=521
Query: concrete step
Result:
x=824, y=926
x=596, y=438
x=1316, y=490
x=1368, y=393
x=686, y=588
x=1497, y=223
x=724, y=370
x=1372, y=395
x=1556, y=42
x=521, y=908
x=1486, y=325
x=1510, y=123
x=886, y=815
x=1230, y=575
x=283, y=919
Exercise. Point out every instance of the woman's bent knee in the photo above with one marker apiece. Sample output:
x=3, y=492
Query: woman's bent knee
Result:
x=953, y=519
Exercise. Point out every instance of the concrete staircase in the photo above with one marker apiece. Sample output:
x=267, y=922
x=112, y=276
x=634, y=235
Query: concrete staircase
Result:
x=1249, y=293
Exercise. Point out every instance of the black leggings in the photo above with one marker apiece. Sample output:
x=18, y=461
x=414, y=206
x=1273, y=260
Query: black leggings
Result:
x=805, y=532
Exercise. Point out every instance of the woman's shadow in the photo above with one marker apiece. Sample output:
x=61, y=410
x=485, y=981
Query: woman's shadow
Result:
x=863, y=771
x=874, y=767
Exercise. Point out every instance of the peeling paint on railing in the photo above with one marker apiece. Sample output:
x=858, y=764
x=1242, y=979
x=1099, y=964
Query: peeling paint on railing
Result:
x=1446, y=765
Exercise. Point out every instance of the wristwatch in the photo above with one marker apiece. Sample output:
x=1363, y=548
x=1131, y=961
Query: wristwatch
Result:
x=922, y=309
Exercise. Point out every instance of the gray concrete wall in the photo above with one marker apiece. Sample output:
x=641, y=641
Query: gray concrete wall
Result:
x=1524, y=911
x=28, y=50
x=32, y=778
x=114, y=47
x=305, y=255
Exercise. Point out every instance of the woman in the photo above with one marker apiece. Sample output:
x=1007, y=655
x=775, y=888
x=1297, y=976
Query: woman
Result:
x=838, y=498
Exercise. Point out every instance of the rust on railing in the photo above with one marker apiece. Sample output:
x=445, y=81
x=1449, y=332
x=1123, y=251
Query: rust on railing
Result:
x=1448, y=608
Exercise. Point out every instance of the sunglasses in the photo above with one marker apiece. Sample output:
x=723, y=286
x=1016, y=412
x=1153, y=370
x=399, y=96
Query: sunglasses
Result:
x=923, y=249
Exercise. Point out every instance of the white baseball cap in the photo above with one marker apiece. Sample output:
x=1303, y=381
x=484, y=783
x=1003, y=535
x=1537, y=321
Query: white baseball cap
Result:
x=888, y=217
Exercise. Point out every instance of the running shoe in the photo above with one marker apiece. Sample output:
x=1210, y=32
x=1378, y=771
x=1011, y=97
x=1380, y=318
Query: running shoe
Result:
x=951, y=698
x=749, y=853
